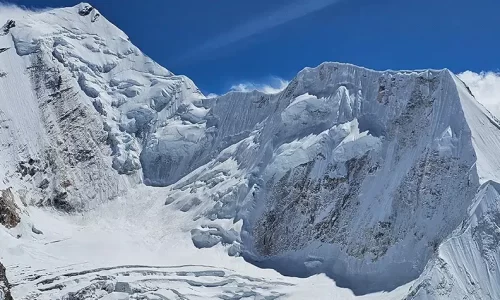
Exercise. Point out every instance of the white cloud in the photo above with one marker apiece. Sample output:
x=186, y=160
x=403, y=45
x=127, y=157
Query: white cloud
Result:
x=276, y=85
x=486, y=88
x=212, y=95
x=287, y=13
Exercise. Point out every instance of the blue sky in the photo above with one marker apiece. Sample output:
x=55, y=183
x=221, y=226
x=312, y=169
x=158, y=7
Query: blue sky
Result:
x=226, y=43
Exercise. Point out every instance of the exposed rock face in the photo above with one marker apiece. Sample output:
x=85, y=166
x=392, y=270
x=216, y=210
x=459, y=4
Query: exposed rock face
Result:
x=4, y=285
x=9, y=218
x=85, y=10
x=7, y=26
x=9, y=215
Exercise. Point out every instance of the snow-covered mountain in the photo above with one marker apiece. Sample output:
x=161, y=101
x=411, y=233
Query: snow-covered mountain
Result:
x=122, y=181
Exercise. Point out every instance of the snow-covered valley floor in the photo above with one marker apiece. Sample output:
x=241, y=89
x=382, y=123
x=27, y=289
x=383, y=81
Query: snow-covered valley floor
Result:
x=137, y=248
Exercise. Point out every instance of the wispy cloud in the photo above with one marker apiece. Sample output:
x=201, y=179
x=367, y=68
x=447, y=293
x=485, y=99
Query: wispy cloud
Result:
x=486, y=88
x=292, y=11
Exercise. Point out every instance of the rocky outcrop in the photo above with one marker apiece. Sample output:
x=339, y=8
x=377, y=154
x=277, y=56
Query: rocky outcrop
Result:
x=7, y=26
x=4, y=285
x=85, y=10
x=9, y=215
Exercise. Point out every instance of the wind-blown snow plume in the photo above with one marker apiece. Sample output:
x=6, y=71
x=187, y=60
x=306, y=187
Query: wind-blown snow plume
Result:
x=15, y=11
x=486, y=88
x=262, y=23
x=273, y=86
x=276, y=85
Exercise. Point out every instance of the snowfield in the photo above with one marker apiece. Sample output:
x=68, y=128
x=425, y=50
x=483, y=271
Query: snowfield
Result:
x=150, y=253
x=121, y=180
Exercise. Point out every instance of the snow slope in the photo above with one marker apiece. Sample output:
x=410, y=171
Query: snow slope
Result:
x=468, y=261
x=130, y=184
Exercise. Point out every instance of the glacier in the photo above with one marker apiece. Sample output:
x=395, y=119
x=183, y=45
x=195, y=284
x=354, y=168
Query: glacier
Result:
x=123, y=181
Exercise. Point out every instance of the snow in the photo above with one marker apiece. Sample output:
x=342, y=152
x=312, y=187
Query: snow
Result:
x=348, y=184
x=485, y=87
x=484, y=127
x=150, y=250
x=468, y=262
